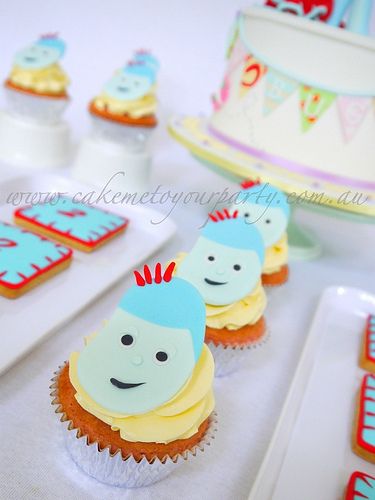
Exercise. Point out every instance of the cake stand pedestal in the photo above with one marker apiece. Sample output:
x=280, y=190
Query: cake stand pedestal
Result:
x=29, y=143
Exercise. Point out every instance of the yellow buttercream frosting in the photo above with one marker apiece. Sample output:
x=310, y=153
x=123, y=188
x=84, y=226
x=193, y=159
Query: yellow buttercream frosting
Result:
x=178, y=418
x=51, y=79
x=246, y=311
x=276, y=256
x=137, y=108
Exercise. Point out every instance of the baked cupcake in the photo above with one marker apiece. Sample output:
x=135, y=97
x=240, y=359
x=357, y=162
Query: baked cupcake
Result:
x=267, y=208
x=37, y=86
x=126, y=107
x=138, y=397
x=225, y=265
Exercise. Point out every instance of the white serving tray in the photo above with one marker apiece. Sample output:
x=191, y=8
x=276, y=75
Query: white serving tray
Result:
x=310, y=456
x=27, y=320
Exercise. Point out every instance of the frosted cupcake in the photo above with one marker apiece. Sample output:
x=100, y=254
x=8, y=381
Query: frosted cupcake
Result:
x=267, y=208
x=37, y=85
x=126, y=107
x=225, y=265
x=138, y=397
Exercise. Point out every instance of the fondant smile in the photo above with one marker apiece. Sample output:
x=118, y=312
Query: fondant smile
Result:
x=123, y=89
x=30, y=59
x=123, y=385
x=210, y=282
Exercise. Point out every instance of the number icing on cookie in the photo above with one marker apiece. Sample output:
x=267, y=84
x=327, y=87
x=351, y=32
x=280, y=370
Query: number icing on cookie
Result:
x=366, y=416
x=77, y=221
x=370, y=338
x=361, y=486
x=24, y=255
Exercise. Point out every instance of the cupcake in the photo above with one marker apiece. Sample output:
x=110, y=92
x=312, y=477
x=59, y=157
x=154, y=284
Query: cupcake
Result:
x=36, y=86
x=225, y=265
x=267, y=208
x=138, y=397
x=125, y=109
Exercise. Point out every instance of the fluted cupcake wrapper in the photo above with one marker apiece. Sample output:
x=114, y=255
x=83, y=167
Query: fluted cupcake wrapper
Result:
x=229, y=359
x=113, y=469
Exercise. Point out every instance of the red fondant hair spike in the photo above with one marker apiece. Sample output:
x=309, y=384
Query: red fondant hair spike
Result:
x=225, y=214
x=49, y=36
x=148, y=279
x=250, y=183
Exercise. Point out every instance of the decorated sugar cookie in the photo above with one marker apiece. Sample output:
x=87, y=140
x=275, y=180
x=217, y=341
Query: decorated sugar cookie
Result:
x=364, y=427
x=142, y=385
x=367, y=357
x=361, y=486
x=36, y=69
x=26, y=260
x=225, y=265
x=128, y=98
x=267, y=208
x=81, y=226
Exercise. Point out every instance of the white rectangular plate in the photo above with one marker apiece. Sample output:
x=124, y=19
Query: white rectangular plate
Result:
x=310, y=454
x=27, y=320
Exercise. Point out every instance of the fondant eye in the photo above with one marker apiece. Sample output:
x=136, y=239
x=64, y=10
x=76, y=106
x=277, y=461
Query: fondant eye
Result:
x=127, y=340
x=246, y=214
x=268, y=221
x=161, y=357
x=211, y=258
x=237, y=267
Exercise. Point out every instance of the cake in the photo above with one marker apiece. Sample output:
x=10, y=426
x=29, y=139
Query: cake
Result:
x=267, y=208
x=225, y=265
x=295, y=106
x=361, y=486
x=73, y=223
x=367, y=357
x=138, y=397
x=363, y=441
x=27, y=260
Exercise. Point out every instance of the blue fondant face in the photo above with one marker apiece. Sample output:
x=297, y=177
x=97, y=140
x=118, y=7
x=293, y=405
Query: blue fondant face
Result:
x=133, y=366
x=127, y=87
x=270, y=222
x=23, y=253
x=36, y=56
x=222, y=274
x=84, y=222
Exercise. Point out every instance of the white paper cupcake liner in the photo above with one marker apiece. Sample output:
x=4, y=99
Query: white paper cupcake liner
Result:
x=44, y=110
x=229, y=359
x=113, y=469
x=133, y=138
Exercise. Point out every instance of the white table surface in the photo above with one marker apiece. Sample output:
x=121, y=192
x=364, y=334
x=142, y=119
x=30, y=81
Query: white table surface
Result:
x=33, y=462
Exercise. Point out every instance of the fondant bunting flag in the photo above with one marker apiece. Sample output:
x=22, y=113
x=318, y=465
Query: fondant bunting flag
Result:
x=252, y=72
x=277, y=88
x=314, y=103
x=352, y=111
x=237, y=57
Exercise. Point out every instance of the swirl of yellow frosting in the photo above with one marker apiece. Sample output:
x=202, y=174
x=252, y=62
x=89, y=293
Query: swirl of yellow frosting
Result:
x=178, y=418
x=246, y=311
x=51, y=79
x=276, y=256
x=137, y=108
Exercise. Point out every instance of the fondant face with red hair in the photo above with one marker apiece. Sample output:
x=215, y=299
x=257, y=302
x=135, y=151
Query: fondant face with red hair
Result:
x=148, y=349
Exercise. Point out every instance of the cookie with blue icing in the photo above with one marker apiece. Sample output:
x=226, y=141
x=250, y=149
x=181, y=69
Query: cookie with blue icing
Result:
x=367, y=356
x=76, y=224
x=27, y=259
x=364, y=427
x=361, y=486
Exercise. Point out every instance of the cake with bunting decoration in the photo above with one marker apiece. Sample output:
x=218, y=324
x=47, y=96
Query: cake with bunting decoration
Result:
x=267, y=208
x=295, y=106
x=138, y=397
x=225, y=265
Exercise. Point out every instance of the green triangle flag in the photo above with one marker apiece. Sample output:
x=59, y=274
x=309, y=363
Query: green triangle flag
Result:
x=314, y=103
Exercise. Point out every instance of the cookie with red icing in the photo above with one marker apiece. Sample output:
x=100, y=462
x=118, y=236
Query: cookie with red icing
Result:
x=364, y=427
x=78, y=225
x=361, y=486
x=27, y=259
x=367, y=356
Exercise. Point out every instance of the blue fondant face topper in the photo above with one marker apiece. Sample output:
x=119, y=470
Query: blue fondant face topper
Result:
x=132, y=82
x=147, y=351
x=266, y=207
x=226, y=261
x=42, y=53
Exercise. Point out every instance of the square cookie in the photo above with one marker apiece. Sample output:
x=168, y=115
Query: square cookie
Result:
x=75, y=224
x=26, y=260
